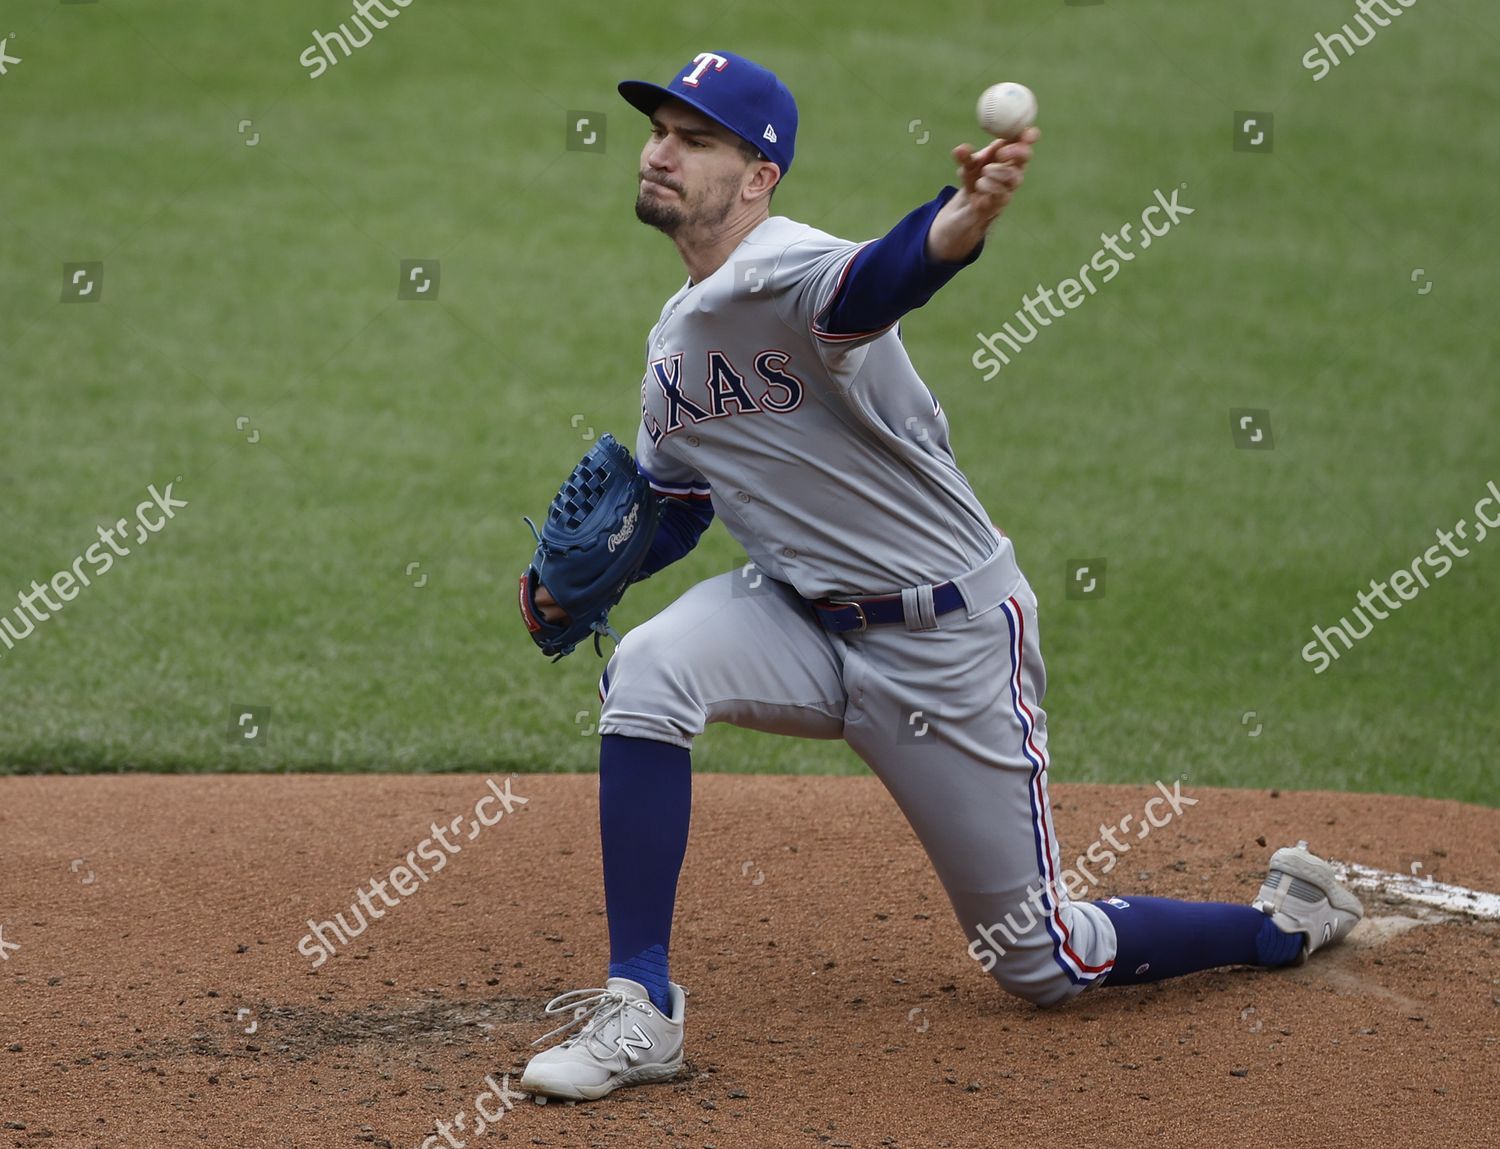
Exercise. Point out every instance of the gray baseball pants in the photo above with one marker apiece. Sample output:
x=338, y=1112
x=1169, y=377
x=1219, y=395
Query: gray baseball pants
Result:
x=948, y=716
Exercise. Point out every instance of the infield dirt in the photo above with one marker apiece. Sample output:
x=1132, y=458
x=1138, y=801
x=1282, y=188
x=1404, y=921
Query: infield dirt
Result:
x=152, y=993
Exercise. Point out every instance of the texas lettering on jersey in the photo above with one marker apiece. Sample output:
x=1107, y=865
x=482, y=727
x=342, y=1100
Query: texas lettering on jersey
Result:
x=826, y=459
x=724, y=391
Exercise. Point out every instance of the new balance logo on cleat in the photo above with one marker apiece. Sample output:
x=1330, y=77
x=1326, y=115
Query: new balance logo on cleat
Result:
x=629, y=1044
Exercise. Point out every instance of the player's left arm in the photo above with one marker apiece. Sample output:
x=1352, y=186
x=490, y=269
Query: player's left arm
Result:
x=684, y=518
x=906, y=267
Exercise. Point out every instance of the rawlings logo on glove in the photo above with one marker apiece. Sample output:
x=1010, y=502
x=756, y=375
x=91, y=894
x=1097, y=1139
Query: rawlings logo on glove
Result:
x=626, y=529
x=598, y=530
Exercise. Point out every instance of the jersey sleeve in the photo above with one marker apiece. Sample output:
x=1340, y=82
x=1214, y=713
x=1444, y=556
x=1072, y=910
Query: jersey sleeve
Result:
x=890, y=277
x=847, y=294
x=686, y=507
x=666, y=474
x=806, y=279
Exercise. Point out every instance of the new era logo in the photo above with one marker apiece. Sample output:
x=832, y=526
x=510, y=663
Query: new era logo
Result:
x=769, y=134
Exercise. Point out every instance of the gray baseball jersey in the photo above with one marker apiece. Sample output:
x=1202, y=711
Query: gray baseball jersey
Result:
x=826, y=457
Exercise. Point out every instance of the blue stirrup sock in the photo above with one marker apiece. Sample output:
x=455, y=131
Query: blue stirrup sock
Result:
x=645, y=804
x=1161, y=938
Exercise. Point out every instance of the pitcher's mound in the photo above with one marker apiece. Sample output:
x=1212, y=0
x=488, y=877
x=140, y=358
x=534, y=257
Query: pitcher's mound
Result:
x=161, y=984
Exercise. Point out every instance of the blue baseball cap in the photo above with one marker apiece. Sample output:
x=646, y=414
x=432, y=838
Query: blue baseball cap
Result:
x=732, y=91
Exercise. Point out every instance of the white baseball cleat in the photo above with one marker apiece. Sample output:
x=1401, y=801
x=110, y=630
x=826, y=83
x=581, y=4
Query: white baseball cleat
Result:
x=1303, y=896
x=625, y=1040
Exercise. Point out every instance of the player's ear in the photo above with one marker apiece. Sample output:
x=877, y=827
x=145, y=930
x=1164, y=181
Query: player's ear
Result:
x=763, y=180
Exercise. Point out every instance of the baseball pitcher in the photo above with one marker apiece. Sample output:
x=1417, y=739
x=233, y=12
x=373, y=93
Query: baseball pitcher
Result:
x=879, y=605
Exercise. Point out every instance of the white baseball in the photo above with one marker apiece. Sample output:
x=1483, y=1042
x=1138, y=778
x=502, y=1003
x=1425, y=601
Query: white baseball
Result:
x=1006, y=110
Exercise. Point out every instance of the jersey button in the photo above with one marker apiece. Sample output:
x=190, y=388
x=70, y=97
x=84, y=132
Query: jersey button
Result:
x=788, y=553
x=692, y=440
x=742, y=496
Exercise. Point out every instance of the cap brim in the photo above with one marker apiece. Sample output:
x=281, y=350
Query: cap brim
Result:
x=646, y=97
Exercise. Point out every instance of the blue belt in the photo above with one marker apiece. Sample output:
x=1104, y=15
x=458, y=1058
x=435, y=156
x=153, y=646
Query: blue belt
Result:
x=843, y=615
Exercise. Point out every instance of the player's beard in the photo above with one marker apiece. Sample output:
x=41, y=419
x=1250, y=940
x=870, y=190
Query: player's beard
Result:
x=672, y=218
x=660, y=213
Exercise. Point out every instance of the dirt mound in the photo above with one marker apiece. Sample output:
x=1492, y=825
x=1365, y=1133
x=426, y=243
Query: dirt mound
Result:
x=159, y=987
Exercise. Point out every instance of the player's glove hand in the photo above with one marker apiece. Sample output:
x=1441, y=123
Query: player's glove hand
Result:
x=596, y=535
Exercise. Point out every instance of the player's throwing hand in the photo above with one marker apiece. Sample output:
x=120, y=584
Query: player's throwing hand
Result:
x=987, y=179
x=990, y=176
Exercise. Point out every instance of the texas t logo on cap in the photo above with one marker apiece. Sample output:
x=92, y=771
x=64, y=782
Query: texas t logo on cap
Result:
x=703, y=60
x=736, y=92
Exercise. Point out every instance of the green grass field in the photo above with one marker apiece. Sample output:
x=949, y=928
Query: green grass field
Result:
x=249, y=292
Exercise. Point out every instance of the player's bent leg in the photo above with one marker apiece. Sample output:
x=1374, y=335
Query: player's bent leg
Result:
x=729, y=650
x=733, y=649
x=951, y=722
x=974, y=787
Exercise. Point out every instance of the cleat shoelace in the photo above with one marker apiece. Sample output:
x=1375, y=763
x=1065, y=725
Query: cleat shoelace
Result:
x=594, y=1009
